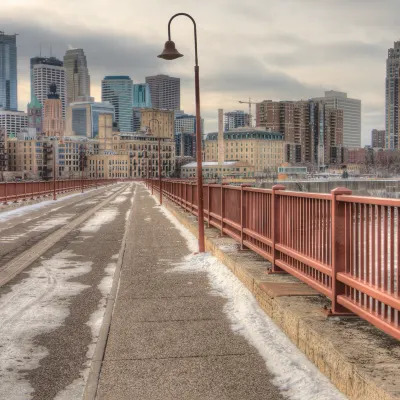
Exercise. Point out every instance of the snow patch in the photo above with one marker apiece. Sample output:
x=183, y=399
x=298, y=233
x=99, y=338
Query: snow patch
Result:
x=45, y=225
x=118, y=200
x=11, y=238
x=147, y=219
x=100, y=218
x=76, y=388
x=37, y=305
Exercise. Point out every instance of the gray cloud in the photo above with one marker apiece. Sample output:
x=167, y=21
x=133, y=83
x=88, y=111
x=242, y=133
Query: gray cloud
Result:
x=315, y=54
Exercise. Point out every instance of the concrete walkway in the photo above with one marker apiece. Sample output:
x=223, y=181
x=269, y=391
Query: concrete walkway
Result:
x=169, y=337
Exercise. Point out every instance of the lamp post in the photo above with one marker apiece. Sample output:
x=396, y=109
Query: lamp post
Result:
x=171, y=53
x=159, y=158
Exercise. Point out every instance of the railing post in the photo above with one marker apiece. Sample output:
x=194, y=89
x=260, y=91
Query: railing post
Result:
x=340, y=242
x=243, y=207
x=16, y=192
x=275, y=226
x=5, y=189
x=209, y=204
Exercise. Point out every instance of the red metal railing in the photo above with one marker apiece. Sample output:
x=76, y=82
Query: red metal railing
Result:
x=346, y=247
x=14, y=191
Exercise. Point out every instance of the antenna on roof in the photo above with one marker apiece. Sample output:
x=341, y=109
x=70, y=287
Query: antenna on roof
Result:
x=40, y=50
x=50, y=52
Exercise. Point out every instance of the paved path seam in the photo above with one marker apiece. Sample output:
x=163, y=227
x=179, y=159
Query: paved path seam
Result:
x=24, y=260
x=98, y=356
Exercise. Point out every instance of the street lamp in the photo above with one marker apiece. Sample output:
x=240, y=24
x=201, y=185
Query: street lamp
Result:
x=171, y=53
x=159, y=157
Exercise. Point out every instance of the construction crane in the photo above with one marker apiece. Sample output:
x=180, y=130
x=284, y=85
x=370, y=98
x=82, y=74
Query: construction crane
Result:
x=250, y=103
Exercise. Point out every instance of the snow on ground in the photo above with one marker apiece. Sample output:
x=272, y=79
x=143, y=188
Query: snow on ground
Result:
x=294, y=375
x=104, y=216
x=76, y=388
x=45, y=225
x=36, y=305
x=23, y=210
x=119, y=199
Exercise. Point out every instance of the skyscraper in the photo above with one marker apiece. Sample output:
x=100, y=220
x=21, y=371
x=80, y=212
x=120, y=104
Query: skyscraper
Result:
x=77, y=76
x=392, y=97
x=141, y=95
x=165, y=92
x=53, y=121
x=35, y=115
x=44, y=72
x=236, y=119
x=8, y=72
x=118, y=91
x=351, y=115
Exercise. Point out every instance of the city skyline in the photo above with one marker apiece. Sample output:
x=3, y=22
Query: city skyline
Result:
x=294, y=62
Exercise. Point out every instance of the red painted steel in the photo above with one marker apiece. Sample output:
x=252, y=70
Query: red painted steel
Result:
x=346, y=247
x=16, y=191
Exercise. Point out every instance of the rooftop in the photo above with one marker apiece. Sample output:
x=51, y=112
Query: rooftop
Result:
x=117, y=77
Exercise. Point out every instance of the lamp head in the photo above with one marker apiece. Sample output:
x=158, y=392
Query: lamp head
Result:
x=170, y=52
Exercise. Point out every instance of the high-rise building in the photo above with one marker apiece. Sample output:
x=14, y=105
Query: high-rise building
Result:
x=165, y=92
x=141, y=95
x=392, y=97
x=236, y=119
x=351, y=115
x=313, y=131
x=13, y=121
x=378, y=138
x=83, y=117
x=35, y=115
x=8, y=72
x=77, y=75
x=53, y=121
x=185, y=144
x=117, y=90
x=44, y=72
x=187, y=123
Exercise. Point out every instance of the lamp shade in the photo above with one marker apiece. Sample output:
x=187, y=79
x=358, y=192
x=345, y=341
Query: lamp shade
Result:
x=170, y=52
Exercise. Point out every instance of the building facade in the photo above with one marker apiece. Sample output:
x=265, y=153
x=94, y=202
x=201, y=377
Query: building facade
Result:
x=392, y=96
x=77, y=76
x=46, y=72
x=261, y=149
x=139, y=149
x=13, y=122
x=378, y=138
x=165, y=92
x=351, y=115
x=141, y=95
x=35, y=112
x=83, y=117
x=164, y=127
x=117, y=90
x=185, y=145
x=53, y=121
x=187, y=123
x=8, y=72
x=236, y=119
x=213, y=170
x=313, y=132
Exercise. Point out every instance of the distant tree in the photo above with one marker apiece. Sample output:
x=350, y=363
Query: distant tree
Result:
x=345, y=174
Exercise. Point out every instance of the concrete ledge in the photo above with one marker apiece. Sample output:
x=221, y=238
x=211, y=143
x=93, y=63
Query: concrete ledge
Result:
x=360, y=360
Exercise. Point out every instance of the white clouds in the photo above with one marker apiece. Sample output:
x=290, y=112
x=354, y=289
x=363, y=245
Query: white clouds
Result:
x=273, y=49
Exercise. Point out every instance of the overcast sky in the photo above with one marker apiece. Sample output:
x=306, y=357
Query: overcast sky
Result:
x=263, y=49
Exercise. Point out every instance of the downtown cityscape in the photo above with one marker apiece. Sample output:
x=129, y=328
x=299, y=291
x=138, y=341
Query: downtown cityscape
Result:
x=321, y=135
x=229, y=231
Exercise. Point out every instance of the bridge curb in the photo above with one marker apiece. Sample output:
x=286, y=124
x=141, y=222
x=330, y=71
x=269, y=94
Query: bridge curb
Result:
x=362, y=367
